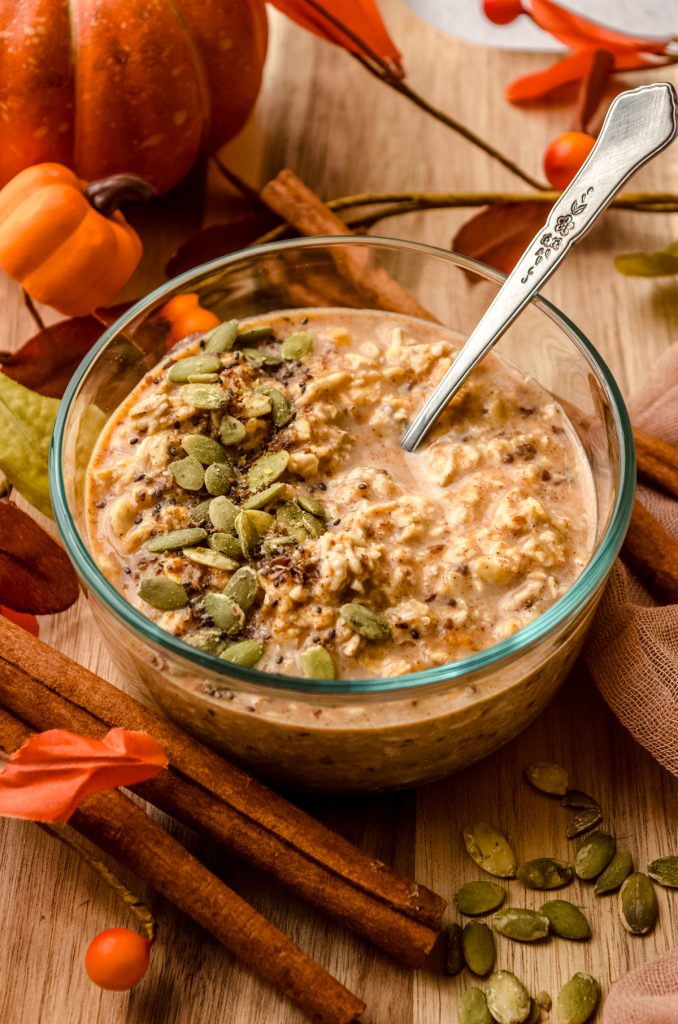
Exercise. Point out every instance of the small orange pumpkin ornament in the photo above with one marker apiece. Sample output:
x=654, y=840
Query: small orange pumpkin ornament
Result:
x=64, y=240
x=185, y=315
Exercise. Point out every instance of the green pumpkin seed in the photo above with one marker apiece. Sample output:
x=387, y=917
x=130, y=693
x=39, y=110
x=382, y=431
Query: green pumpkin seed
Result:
x=203, y=378
x=490, y=850
x=365, y=621
x=199, y=514
x=594, y=855
x=246, y=653
x=566, y=920
x=266, y=469
x=218, y=478
x=544, y=873
x=583, y=821
x=208, y=639
x=223, y=513
x=521, y=924
x=260, y=357
x=188, y=473
x=265, y=497
x=222, y=337
x=619, y=868
x=247, y=534
x=210, y=557
x=204, y=396
x=480, y=952
x=252, y=334
x=638, y=907
x=577, y=1000
x=544, y=1000
x=227, y=544
x=281, y=410
x=297, y=345
x=317, y=663
x=231, y=430
x=243, y=587
x=204, y=449
x=262, y=521
x=534, y=1016
x=507, y=998
x=473, y=1008
x=185, y=368
x=163, y=593
x=665, y=871
x=548, y=778
x=479, y=898
x=578, y=800
x=225, y=613
x=254, y=406
x=454, y=955
x=314, y=527
x=175, y=540
x=310, y=504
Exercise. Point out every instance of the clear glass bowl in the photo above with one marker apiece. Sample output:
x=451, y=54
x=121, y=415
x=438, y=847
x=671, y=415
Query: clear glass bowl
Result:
x=358, y=734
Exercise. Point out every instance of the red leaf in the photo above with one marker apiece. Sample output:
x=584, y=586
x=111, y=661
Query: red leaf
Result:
x=247, y=219
x=47, y=361
x=564, y=72
x=35, y=573
x=498, y=235
x=360, y=17
x=578, y=33
x=53, y=771
x=27, y=622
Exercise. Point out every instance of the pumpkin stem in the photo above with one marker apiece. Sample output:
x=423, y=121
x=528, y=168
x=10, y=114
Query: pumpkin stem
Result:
x=107, y=194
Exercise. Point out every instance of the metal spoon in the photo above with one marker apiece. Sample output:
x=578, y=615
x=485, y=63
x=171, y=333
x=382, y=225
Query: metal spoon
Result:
x=639, y=125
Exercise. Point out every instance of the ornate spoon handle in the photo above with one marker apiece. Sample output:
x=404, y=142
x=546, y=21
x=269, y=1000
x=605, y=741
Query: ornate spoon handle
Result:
x=639, y=125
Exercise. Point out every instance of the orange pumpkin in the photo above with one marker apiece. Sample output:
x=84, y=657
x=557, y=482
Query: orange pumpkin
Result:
x=59, y=246
x=185, y=315
x=138, y=86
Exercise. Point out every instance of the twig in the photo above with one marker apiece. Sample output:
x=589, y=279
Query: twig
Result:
x=28, y=303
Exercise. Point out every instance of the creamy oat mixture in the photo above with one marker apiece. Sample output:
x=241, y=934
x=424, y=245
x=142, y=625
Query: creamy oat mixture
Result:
x=310, y=543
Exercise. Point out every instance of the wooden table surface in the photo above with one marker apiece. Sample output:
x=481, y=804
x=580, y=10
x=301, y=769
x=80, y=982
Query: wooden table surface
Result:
x=321, y=114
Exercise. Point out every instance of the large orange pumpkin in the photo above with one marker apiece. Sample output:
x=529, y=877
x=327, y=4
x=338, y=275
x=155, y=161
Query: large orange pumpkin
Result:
x=107, y=86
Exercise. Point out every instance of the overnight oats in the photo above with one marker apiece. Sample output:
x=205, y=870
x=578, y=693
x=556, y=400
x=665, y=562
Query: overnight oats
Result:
x=250, y=496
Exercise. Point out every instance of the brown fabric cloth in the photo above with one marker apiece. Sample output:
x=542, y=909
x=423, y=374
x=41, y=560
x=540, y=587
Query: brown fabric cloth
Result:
x=632, y=653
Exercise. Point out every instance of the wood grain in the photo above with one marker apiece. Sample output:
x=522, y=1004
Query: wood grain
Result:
x=322, y=115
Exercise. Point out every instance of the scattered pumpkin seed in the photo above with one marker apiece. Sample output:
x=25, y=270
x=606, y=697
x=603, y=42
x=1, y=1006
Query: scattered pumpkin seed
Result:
x=251, y=334
x=262, y=521
x=208, y=639
x=579, y=800
x=665, y=871
x=479, y=898
x=188, y=473
x=175, y=540
x=454, y=954
x=310, y=504
x=222, y=337
x=246, y=653
x=204, y=449
x=260, y=357
x=247, y=534
x=577, y=999
x=281, y=409
x=289, y=515
x=297, y=345
x=180, y=371
x=366, y=622
x=203, y=378
x=544, y=873
x=243, y=587
x=266, y=469
x=594, y=855
x=231, y=430
x=210, y=557
x=548, y=777
x=199, y=514
x=225, y=612
x=544, y=1000
x=480, y=952
x=313, y=526
x=218, y=478
x=317, y=663
x=638, y=907
x=265, y=497
x=521, y=924
x=566, y=920
x=163, y=593
x=507, y=998
x=204, y=396
x=473, y=1008
x=490, y=850
x=619, y=868
x=253, y=406
x=227, y=543
x=583, y=821
x=222, y=514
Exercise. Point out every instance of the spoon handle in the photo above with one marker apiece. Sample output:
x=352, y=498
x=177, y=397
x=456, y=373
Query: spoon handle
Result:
x=639, y=125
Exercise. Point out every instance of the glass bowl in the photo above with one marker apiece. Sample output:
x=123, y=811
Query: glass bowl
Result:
x=359, y=734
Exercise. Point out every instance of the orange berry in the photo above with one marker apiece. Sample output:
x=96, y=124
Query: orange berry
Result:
x=565, y=155
x=501, y=12
x=117, y=959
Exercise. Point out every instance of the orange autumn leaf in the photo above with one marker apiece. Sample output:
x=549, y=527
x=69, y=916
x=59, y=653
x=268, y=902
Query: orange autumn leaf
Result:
x=578, y=33
x=53, y=771
x=567, y=70
x=499, y=235
x=360, y=17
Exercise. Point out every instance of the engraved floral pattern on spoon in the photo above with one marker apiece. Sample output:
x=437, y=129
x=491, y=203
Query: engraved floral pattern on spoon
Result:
x=551, y=241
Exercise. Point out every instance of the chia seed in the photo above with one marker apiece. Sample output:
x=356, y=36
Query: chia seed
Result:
x=101, y=504
x=414, y=633
x=362, y=487
x=134, y=440
x=138, y=477
x=322, y=486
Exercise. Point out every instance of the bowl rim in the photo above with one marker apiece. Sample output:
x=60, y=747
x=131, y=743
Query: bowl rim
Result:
x=457, y=672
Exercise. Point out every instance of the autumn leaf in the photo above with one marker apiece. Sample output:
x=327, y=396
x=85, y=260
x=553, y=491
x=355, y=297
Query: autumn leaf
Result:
x=649, y=264
x=360, y=17
x=48, y=360
x=35, y=573
x=53, y=771
x=246, y=220
x=26, y=421
x=579, y=33
x=27, y=622
x=499, y=235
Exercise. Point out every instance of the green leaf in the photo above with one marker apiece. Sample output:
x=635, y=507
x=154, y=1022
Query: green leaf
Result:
x=26, y=421
x=649, y=264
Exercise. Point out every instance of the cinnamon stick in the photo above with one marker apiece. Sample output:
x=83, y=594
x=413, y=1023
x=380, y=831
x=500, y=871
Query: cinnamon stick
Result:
x=119, y=827
x=47, y=689
x=652, y=553
x=657, y=461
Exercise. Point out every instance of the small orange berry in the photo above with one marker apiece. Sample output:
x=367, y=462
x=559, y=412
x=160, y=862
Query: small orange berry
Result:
x=501, y=12
x=117, y=959
x=565, y=155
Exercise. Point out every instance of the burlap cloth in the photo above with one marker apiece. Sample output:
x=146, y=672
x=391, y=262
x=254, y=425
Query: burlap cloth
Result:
x=632, y=653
